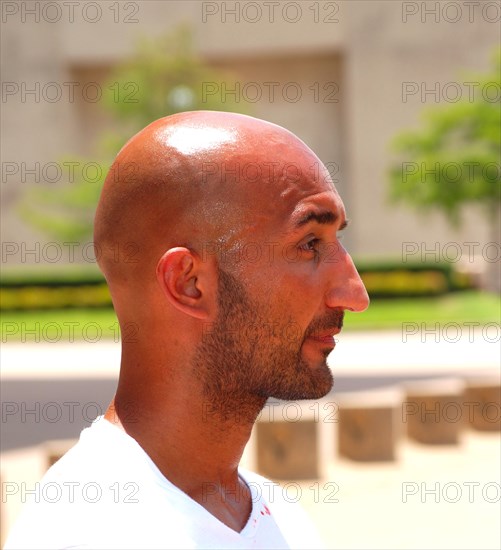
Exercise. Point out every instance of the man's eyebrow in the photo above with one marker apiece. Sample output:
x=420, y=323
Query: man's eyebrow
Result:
x=324, y=217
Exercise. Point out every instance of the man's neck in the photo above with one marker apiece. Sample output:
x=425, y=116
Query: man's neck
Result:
x=196, y=445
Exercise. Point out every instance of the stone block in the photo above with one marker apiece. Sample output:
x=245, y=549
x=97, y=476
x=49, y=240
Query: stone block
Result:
x=432, y=411
x=482, y=403
x=368, y=426
x=287, y=450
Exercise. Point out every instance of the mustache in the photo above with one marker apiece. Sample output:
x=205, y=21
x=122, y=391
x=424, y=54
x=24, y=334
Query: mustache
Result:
x=333, y=321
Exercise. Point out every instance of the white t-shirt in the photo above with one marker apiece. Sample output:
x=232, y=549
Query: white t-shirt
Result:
x=107, y=493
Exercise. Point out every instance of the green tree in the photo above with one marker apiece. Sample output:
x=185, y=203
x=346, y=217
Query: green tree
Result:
x=163, y=77
x=454, y=159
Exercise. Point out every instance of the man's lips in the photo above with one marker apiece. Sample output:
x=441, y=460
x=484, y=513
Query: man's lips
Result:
x=325, y=337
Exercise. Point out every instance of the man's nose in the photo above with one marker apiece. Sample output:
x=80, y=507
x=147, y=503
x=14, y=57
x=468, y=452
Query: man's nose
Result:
x=347, y=290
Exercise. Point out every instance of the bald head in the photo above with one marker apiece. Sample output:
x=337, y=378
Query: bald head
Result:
x=183, y=198
x=191, y=179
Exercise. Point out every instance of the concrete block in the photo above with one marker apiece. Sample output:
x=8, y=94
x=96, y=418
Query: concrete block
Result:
x=432, y=410
x=368, y=427
x=482, y=403
x=287, y=450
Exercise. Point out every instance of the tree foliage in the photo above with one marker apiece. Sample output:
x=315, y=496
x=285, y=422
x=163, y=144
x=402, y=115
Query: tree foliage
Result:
x=454, y=159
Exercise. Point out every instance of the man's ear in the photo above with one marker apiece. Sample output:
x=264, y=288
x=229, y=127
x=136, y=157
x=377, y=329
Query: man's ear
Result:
x=186, y=281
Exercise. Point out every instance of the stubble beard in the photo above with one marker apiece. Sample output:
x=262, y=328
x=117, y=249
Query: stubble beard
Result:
x=249, y=355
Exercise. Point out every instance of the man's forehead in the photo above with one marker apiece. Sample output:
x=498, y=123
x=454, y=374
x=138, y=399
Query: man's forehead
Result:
x=300, y=187
x=312, y=192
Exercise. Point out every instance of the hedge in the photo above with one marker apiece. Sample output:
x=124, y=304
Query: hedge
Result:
x=73, y=289
x=394, y=279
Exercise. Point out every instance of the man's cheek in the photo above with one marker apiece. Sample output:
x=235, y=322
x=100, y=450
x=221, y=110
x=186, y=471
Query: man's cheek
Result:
x=290, y=335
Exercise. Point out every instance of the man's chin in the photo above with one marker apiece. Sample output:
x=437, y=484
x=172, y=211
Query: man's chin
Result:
x=321, y=387
x=322, y=381
x=315, y=386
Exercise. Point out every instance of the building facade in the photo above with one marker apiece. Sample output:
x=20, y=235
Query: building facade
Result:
x=345, y=76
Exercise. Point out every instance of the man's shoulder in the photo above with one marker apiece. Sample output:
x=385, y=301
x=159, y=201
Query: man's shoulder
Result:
x=101, y=449
x=100, y=482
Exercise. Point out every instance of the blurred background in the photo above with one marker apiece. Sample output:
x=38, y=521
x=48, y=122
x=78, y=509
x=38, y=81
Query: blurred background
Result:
x=401, y=101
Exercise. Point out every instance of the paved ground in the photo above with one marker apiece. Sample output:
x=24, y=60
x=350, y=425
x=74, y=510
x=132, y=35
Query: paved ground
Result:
x=431, y=498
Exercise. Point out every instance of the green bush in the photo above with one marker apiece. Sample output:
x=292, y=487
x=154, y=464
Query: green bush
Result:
x=54, y=297
x=88, y=289
x=73, y=287
x=394, y=279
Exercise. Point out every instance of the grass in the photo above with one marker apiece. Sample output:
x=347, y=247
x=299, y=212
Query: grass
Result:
x=460, y=307
x=59, y=325
x=67, y=325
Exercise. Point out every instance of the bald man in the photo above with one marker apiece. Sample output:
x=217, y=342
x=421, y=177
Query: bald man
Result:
x=218, y=235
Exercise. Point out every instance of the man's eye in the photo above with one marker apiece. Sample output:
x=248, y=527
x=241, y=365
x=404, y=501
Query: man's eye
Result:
x=311, y=245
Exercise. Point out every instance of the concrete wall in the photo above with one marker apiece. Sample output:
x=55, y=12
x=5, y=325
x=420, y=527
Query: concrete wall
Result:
x=383, y=53
x=368, y=48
